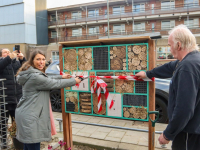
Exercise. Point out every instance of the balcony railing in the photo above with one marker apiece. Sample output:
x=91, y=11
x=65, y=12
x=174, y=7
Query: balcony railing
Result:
x=131, y=13
x=121, y=33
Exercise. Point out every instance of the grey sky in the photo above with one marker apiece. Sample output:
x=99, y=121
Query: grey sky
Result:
x=60, y=3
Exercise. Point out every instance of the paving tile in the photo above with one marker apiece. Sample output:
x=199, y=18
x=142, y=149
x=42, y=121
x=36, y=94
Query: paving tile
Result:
x=89, y=129
x=99, y=135
x=132, y=133
x=130, y=139
x=104, y=129
x=106, y=121
x=83, y=134
x=75, y=130
x=118, y=123
x=143, y=141
x=83, y=118
x=113, y=139
x=94, y=120
x=116, y=134
x=76, y=125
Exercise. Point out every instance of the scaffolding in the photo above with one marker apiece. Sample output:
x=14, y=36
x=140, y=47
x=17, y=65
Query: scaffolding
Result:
x=3, y=124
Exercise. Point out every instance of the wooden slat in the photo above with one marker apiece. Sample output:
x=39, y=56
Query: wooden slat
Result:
x=96, y=42
x=66, y=116
x=151, y=95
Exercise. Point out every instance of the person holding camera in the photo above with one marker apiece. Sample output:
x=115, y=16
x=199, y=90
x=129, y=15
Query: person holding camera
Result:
x=9, y=65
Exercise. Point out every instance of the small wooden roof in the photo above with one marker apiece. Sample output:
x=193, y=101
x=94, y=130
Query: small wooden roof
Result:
x=111, y=41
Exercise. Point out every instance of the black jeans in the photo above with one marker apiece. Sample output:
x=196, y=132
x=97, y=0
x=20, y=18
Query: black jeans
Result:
x=4, y=121
x=33, y=146
x=186, y=141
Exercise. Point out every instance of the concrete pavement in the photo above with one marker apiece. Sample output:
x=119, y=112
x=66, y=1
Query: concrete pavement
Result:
x=111, y=137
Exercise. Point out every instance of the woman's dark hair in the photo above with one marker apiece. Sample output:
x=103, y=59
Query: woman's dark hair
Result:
x=29, y=63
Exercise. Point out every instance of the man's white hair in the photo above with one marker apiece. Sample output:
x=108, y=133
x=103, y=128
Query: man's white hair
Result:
x=183, y=35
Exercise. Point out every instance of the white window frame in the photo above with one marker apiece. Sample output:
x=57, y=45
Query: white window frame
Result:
x=195, y=3
x=54, y=55
x=77, y=16
x=122, y=28
x=96, y=30
x=170, y=26
x=141, y=24
x=141, y=7
x=121, y=11
x=79, y=32
x=166, y=6
x=55, y=36
x=193, y=23
x=95, y=14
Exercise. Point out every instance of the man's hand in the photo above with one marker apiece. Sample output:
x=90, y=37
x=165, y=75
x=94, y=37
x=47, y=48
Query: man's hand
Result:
x=141, y=75
x=13, y=55
x=162, y=140
x=66, y=76
x=20, y=56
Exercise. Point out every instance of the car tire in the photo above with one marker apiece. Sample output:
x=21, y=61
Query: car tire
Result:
x=161, y=106
x=55, y=97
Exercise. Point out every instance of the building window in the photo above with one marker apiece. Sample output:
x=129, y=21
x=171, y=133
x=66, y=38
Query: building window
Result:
x=163, y=52
x=55, y=55
x=139, y=26
x=52, y=17
x=119, y=28
x=93, y=13
x=77, y=32
x=53, y=34
x=118, y=10
x=139, y=8
x=192, y=23
x=191, y=3
x=166, y=5
x=93, y=30
x=167, y=25
x=76, y=15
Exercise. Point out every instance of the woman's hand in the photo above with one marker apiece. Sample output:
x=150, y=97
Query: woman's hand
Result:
x=78, y=80
x=66, y=76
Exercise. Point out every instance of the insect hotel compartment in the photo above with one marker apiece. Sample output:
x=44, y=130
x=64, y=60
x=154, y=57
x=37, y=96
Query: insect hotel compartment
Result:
x=137, y=57
x=124, y=86
x=118, y=58
x=85, y=102
x=85, y=58
x=95, y=104
x=140, y=87
x=135, y=100
x=109, y=82
x=100, y=56
x=71, y=101
x=70, y=60
x=133, y=112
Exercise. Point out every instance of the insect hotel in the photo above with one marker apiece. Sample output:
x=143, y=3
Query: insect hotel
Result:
x=115, y=61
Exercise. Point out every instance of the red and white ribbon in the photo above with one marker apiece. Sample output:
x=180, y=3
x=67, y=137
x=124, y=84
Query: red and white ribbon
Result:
x=131, y=77
x=99, y=84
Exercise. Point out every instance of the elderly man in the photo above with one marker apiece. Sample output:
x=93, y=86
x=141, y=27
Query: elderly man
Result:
x=184, y=92
x=9, y=65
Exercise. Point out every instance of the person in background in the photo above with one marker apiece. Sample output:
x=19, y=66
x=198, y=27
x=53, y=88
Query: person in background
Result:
x=9, y=65
x=32, y=114
x=183, y=128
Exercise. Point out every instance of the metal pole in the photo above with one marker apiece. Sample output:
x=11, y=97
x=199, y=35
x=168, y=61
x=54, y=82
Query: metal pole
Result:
x=56, y=26
x=86, y=22
x=108, y=17
x=132, y=14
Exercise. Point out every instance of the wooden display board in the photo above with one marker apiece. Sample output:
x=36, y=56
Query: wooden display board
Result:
x=118, y=56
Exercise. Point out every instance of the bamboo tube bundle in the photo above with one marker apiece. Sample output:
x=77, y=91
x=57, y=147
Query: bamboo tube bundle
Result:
x=85, y=59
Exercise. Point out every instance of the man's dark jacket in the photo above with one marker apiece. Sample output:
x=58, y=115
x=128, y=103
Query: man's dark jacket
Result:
x=184, y=94
x=8, y=70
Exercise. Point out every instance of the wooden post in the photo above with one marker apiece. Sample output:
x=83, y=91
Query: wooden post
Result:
x=67, y=123
x=151, y=95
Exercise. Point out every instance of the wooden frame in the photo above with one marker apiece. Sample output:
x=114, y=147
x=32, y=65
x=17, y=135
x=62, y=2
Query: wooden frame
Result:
x=67, y=124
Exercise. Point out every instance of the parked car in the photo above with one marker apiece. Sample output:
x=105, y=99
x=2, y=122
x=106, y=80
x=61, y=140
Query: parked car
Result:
x=162, y=91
